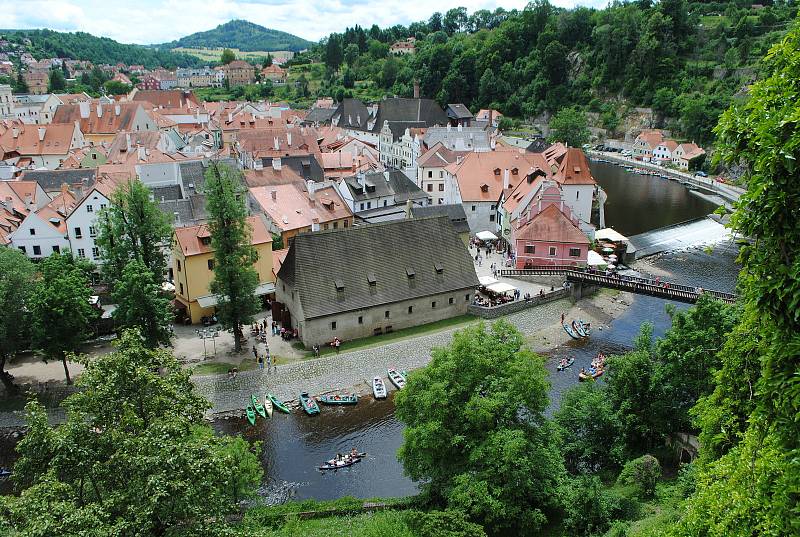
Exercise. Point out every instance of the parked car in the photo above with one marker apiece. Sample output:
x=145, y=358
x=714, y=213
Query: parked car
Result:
x=701, y=174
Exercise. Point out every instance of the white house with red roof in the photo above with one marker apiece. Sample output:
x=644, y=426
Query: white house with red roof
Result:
x=687, y=154
x=43, y=231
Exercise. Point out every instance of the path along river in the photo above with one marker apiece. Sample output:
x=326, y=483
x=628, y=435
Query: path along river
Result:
x=294, y=445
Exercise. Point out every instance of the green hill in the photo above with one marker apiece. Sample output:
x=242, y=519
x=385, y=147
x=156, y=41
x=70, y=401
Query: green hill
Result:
x=242, y=35
x=98, y=50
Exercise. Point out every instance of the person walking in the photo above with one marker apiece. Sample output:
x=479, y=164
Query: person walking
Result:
x=269, y=362
x=562, y=318
x=255, y=352
x=336, y=344
x=261, y=362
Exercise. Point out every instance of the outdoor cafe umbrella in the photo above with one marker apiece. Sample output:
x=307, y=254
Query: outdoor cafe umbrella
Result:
x=486, y=235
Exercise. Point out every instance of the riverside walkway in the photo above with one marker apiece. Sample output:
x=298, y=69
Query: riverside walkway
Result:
x=632, y=284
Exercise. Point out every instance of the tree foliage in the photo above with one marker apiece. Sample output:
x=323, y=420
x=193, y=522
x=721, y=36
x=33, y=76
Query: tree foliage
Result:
x=142, y=304
x=476, y=433
x=133, y=458
x=235, y=278
x=16, y=286
x=569, y=126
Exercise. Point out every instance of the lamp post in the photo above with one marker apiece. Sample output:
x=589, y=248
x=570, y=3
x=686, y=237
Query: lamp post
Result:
x=206, y=333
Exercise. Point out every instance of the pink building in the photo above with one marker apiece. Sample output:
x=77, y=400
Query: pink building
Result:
x=548, y=233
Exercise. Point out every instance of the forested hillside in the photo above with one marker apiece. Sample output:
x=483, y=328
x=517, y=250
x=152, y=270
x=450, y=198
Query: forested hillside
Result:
x=98, y=50
x=242, y=35
x=685, y=60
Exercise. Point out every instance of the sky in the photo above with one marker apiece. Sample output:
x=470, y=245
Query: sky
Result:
x=160, y=21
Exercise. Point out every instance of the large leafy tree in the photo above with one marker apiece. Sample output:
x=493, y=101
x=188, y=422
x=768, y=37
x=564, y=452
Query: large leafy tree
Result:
x=61, y=315
x=476, y=435
x=16, y=285
x=143, y=304
x=133, y=227
x=235, y=278
x=134, y=457
x=569, y=125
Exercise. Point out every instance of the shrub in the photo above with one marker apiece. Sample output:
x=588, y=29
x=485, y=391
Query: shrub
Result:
x=643, y=472
x=450, y=523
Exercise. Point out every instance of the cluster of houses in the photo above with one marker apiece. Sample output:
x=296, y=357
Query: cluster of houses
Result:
x=653, y=145
x=370, y=206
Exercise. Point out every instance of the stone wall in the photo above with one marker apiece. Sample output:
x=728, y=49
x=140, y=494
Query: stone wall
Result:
x=517, y=305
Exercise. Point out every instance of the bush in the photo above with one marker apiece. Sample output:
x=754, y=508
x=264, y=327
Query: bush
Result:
x=589, y=508
x=450, y=523
x=643, y=473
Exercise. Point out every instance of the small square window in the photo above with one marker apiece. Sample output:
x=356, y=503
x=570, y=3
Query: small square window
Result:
x=333, y=325
x=530, y=249
x=450, y=300
x=178, y=261
x=95, y=252
x=210, y=264
x=574, y=252
x=37, y=250
x=89, y=209
x=56, y=249
x=433, y=304
x=466, y=297
x=411, y=309
x=552, y=250
x=32, y=231
x=430, y=187
x=22, y=249
x=360, y=319
x=92, y=231
x=473, y=208
x=441, y=187
x=386, y=314
x=81, y=252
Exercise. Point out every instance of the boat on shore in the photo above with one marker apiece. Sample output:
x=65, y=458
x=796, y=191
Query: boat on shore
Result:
x=397, y=379
x=268, y=406
x=337, y=399
x=571, y=331
x=308, y=403
x=378, y=388
x=278, y=404
x=257, y=406
x=251, y=414
x=583, y=328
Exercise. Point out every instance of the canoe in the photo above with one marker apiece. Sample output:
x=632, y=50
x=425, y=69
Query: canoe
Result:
x=309, y=405
x=572, y=333
x=268, y=406
x=259, y=408
x=568, y=364
x=378, y=388
x=278, y=403
x=578, y=328
x=251, y=414
x=333, y=464
x=585, y=327
x=336, y=399
x=397, y=379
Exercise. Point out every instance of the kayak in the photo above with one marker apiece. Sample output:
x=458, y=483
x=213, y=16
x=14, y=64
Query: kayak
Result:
x=336, y=399
x=258, y=406
x=251, y=414
x=278, y=403
x=268, y=407
x=578, y=328
x=348, y=460
x=584, y=327
x=568, y=364
x=572, y=333
x=378, y=388
x=308, y=404
x=397, y=379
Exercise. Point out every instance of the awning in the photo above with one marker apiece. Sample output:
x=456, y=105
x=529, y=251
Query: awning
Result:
x=594, y=259
x=609, y=234
x=209, y=301
x=486, y=236
x=487, y=280
x=501, y=287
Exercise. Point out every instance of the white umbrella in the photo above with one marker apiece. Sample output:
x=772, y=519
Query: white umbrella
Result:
x=501, y=287
x=487, y=280
x=486, y=236
x=594, y=259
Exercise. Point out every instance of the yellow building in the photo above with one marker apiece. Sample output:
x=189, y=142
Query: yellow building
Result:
x=193, y=267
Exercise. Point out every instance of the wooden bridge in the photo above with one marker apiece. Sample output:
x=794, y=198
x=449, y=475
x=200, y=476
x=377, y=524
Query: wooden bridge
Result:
x=632, y=284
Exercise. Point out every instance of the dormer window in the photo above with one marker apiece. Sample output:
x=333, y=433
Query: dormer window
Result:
x=497, y=171
x=484, y=188
x=371, y=279
x=205, y=240
x=339, y=285
x=410, y=273
x=439, y=268
x=514, y=171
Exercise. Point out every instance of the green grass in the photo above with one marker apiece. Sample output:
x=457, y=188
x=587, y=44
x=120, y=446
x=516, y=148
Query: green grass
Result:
x=385, y=523
x=213, y=94
x=219, y=368
x=214, y=54
x=372, y=341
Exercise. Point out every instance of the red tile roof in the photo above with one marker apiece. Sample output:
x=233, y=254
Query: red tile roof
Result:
x=188, y=238
x=551, y=225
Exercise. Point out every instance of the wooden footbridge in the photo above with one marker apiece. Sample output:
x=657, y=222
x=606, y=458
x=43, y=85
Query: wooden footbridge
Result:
x=580, y=277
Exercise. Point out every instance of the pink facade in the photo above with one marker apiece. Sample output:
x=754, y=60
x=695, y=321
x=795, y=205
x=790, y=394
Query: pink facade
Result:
x=533, y=253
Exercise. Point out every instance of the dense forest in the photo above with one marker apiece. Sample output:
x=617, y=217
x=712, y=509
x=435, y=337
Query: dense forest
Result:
x=686, y=60
x=98, y=50
x=242, y=35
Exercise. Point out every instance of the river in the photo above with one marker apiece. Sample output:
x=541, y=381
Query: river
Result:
x=294, y=445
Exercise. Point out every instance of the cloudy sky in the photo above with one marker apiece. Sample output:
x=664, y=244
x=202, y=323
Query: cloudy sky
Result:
x=159, y=21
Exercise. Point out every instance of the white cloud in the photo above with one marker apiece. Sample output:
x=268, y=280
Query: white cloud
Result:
x=158, y=21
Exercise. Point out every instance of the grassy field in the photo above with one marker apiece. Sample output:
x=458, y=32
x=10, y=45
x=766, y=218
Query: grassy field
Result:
x=219, y=368
x=213, y=54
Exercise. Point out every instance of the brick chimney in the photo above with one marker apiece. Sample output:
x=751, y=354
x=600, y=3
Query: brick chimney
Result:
x=505, y=179
x=117, y=109
x=289, y=139
x=416, y=88
x=99, y=109
x=273, y=194
x=83, y=107
x=42, y=132
x=311, y=186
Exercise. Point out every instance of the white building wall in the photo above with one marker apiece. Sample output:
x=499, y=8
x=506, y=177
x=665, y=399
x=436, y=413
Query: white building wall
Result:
x=84, y=218
x=579, y=199
x=45, y=236
x=159, y=174
x=481, y=215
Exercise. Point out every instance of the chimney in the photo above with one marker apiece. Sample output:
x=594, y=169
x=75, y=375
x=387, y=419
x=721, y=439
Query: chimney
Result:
x=459, y=159
x=42, y=132
x=230, y=117
x=117, y=109
x=273, y=194
x=100, y=109
x=128, y=142
x=460, y=127
x=276, y=143
x=8, y=203
x=386, y=175
x=311, y=186
x=409, y=205
x=83, y=106
x=505, y=179
x=142, y=155
x=416, y=88
x=15, y=132
x=289, y=139
x=276, y=163
x=315, y=224
x=361, y=179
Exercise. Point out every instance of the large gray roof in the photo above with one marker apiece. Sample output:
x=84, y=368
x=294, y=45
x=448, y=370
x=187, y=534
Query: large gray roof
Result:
x=428, y=248
x=51, y=180
x=388, y=183
x=319, y=115
x=425, y=112
x=351, y=114
x=455, y=212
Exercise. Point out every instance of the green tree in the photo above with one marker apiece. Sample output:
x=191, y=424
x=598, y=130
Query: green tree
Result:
x=16, y=285
x=20, y=86
x=590, y=508
x=443, y=524
x=134, y=457
x=569, y=126
x=476, y=435
x=61, y=316
x=351, y=53
x=642, y=473
x=227, y=56
x=334, y=52
x=56, y=81
x=267, y=61
x=142, y=304
x=115, y=87
x=133, y=227
x=235, y=278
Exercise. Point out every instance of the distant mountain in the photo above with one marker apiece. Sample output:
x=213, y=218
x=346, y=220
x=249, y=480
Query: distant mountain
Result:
x=98, y=50
x=242, y=35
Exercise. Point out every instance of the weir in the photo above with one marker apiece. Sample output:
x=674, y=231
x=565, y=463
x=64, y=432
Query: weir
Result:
x=695, y=232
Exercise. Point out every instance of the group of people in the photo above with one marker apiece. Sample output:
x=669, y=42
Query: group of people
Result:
x=598, y=365
x=346, y=458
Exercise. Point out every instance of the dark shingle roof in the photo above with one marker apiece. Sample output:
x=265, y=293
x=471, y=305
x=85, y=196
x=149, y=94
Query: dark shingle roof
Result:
x=398, y=128
x=389, y=252
x=51, y=180
x=455, y=212
x=319, y=115
x=458, y=111
x=306, y=166
x=166, y=193
x=351, y=113
x=539, y=145
x=425, y=111
x=388, y=183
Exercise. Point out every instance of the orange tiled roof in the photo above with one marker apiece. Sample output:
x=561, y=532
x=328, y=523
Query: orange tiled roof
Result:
x=189, y=238
x=551, y=225
x=292, y=207
x=56, y=138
